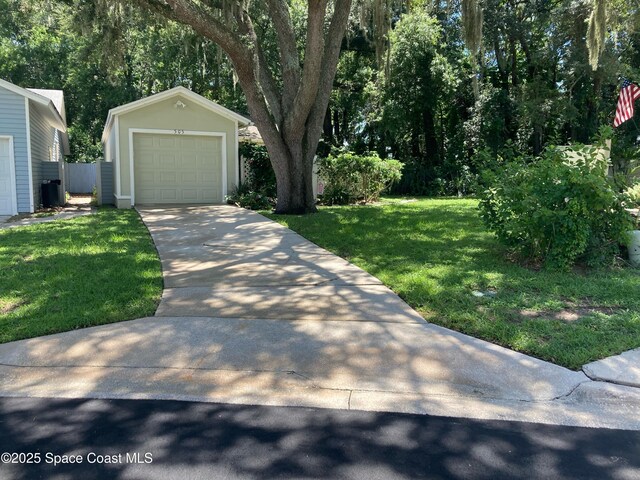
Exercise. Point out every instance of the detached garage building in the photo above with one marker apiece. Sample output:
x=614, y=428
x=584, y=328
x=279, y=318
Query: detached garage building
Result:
x=33, y=141
x=170, y=148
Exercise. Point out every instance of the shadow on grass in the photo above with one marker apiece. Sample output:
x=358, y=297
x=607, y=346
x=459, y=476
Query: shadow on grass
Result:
x=435, y=253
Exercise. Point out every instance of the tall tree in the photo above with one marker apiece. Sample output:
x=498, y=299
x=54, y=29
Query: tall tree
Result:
x=288, y=106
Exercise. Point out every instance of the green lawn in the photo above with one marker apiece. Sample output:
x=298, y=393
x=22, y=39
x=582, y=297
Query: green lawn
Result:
x=70, y=274
x=435, y=252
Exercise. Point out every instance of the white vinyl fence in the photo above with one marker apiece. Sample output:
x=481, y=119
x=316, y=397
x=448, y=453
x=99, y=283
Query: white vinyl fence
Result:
x=80, y=177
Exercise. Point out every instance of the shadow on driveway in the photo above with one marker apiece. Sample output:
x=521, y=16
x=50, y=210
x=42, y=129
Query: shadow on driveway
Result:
x=195, y=440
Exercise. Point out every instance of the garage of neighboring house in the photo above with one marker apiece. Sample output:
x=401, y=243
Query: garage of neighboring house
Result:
x=33, y=142
x=175, y=147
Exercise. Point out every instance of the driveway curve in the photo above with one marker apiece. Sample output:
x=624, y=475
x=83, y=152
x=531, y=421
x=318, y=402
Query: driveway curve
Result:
x=254, y=313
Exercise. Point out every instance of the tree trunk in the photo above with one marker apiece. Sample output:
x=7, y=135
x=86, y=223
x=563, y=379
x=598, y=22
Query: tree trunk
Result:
x=295, y=189
x=431, y=142
x=289, y=116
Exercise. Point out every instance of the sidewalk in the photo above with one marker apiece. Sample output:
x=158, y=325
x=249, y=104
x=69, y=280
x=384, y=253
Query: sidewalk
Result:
x=254, y=313
x=65, y=214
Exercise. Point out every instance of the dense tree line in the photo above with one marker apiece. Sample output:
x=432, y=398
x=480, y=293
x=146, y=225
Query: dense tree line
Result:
x=105, y=59
x=446, y=112
x=409, y=83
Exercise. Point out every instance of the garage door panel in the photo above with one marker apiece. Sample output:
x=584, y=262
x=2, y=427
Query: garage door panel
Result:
x=190, y=195
x=145, y=141
x=168, y=178
x=167, y=141
x=177, y=169
x=6, y=181
x=170, y=160
x=145, y=193
x=169, y=195
x=189, y=178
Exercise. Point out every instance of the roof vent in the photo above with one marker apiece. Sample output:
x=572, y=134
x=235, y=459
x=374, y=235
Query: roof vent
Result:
x=179, y=104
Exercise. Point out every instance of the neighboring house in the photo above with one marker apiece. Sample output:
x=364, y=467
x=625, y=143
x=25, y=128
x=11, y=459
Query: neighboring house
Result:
x=169, y=148
x=33, y=141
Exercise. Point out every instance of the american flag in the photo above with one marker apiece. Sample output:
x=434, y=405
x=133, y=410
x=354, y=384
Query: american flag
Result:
x=629, y=92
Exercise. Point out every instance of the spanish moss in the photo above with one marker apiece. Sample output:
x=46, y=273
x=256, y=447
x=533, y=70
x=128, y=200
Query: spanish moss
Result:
x=596, y=32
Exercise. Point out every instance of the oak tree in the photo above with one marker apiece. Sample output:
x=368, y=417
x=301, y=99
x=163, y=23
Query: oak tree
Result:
x=288, y=106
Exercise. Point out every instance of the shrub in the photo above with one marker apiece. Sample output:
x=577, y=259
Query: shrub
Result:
x=350, y=178
x=260, y=176
x=258, y=190
x=633, y=195
x=558, y=208
x=244, y=196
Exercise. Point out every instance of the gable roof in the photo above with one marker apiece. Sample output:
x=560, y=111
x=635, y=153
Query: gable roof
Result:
x=47, y=106
x=57, y=98
x=158, y=97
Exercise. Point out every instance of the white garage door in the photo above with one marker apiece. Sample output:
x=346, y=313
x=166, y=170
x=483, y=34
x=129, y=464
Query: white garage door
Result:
x=177, y=169
x=7, y=180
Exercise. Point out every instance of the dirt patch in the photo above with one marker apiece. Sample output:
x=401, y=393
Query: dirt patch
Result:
x=11, y=305
x=42, y=213
x=568, y=315
x=77, y=199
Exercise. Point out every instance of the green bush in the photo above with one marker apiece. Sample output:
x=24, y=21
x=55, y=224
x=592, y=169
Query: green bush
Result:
x=557, y=209
x=244, y=196
x=259, y=172
x=633, y=195
x=258, y=190
x=350, y=178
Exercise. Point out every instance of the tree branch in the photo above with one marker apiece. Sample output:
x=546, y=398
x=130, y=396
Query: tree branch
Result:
x=329, y=67
x=311, y=71
x=201, y=20
x=264, y=76
x=289, y=58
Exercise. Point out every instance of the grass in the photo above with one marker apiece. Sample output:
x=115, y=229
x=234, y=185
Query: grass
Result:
x=436, y=252
x=70, y=274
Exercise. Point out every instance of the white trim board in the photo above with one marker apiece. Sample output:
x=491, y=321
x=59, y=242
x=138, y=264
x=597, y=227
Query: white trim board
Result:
x=12, y=174
x=117, y=169
x=176, y=132
x=27, y=115
x=237, y=148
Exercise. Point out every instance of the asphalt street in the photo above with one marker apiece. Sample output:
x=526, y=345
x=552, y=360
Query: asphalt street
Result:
x=143, y=439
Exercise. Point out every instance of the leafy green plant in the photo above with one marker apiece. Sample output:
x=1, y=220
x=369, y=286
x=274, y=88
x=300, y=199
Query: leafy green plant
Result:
x=350, y=178
x=260, y=176
x=258, y=190
x=633, y=195
x=244, y=196
x=558, y=208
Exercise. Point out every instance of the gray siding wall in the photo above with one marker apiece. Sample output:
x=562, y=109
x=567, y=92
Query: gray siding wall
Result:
x=51, y=171
x=45, y=147
x=106, y=183
x=13, y=123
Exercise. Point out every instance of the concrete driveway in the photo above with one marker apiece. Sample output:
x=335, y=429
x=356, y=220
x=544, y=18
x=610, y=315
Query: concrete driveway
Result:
x=254, y=313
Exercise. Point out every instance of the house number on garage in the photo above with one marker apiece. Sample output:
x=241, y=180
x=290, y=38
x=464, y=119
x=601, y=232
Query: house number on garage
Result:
x=179, y=132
